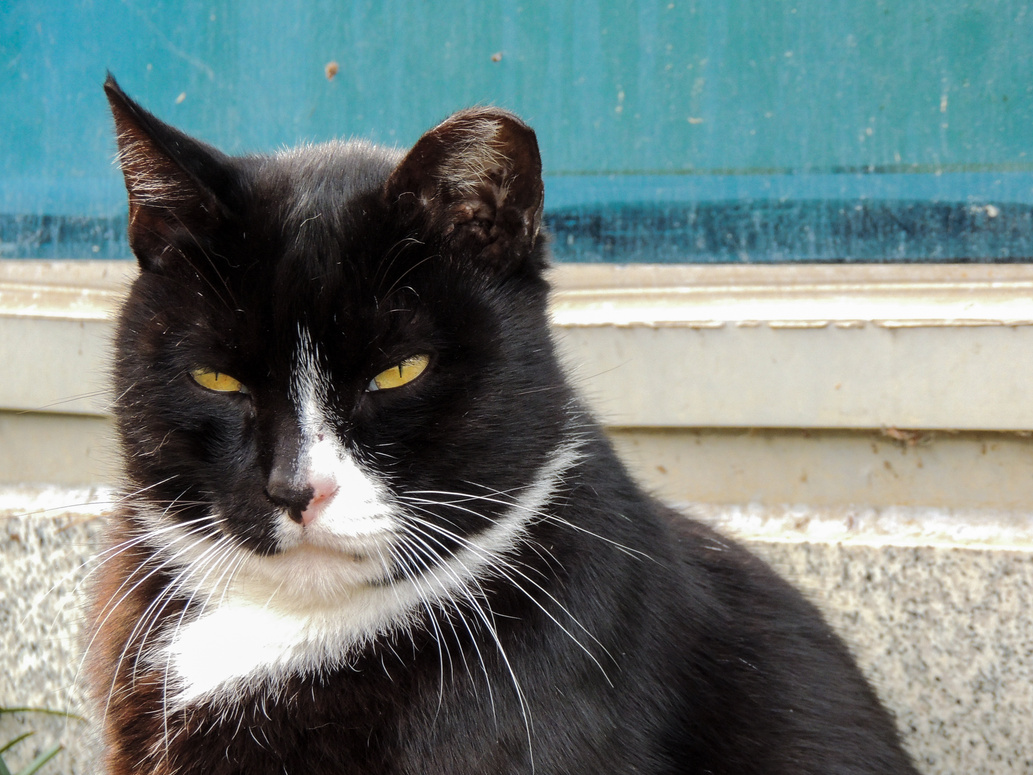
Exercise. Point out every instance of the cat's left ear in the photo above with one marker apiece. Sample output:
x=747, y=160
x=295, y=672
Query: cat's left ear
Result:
x=477, y=180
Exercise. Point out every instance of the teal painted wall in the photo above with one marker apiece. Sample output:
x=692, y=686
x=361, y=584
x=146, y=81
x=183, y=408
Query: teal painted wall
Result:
x=681, y=110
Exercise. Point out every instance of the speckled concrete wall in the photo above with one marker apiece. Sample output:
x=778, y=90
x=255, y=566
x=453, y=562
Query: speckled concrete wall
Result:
x=41, y=569
x=944, y=633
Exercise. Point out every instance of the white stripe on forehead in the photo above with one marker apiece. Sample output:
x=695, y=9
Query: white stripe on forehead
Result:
x=310, y=385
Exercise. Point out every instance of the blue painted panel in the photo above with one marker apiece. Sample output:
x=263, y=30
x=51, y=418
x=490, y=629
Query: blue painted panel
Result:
x=714, y=130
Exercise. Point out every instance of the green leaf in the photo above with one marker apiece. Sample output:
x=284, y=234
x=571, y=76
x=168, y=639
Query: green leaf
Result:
x=15, y=742
x=44, y=711
x=34, y=766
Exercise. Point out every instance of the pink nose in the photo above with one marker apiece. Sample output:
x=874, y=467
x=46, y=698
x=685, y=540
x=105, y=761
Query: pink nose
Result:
x=323, y=491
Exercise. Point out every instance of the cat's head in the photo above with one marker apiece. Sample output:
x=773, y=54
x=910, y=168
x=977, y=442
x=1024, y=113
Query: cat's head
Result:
x=336, y=357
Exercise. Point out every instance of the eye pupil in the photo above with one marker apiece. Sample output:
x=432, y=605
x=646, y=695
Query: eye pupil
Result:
x=401, y=374
x=217, y=382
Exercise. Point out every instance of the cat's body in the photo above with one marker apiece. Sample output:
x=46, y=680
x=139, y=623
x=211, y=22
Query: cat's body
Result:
x=371, y=529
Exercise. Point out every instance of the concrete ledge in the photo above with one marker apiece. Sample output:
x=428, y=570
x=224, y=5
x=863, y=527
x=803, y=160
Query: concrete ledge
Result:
x=938, y=618
x=978, y=473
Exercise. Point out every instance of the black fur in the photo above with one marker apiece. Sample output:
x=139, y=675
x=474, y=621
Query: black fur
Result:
x=641, y=641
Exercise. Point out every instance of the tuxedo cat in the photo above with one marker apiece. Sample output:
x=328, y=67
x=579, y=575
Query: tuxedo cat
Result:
x=368, y=525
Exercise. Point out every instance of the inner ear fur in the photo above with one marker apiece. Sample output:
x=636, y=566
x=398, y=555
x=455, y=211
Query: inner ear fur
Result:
x=476, y=179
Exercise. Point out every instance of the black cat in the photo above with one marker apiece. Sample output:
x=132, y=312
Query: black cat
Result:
x=370, y=528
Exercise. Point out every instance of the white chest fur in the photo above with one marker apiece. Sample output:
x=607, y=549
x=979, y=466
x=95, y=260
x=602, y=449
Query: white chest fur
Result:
x=240, y=645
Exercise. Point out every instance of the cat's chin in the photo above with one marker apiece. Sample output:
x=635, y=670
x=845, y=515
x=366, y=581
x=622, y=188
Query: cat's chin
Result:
x=319, y=573
x=357, y=555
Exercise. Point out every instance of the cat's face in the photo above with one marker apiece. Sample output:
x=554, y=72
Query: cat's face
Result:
x=334, y=368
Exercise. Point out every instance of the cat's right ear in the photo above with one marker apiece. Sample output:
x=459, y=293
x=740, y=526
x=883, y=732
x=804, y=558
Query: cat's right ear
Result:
x=173, y=183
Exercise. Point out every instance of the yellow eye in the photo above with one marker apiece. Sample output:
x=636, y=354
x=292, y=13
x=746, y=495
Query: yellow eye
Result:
x=214, y=380
x=399, y=375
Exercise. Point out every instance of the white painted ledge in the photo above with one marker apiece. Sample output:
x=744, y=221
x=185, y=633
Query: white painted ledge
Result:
x=869, y=346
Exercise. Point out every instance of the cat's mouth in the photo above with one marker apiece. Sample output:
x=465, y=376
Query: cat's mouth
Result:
x=367, y=547
x=343, y=553
x=321, y=573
